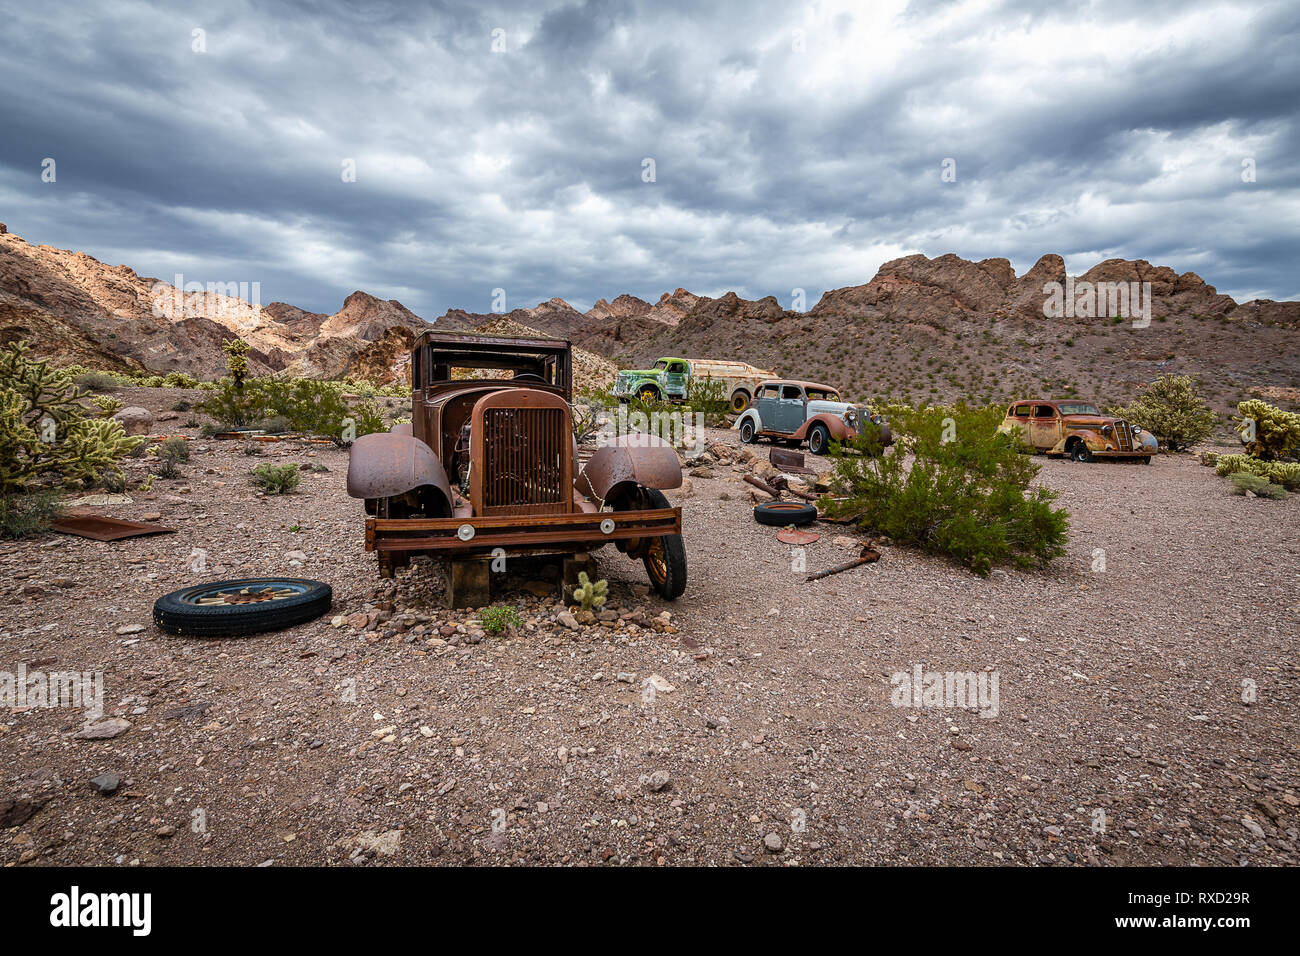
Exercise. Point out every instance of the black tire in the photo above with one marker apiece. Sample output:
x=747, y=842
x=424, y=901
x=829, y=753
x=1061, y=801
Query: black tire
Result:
x=1081, y=452
x=748, y=434
x=778, y=514
x=179, y=612
x=819, y=439
x=665, y=560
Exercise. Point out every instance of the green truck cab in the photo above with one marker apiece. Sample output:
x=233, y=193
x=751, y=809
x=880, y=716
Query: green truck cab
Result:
x=671, y=378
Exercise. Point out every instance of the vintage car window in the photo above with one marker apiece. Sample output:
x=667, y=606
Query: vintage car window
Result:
x=823, y=395
x=661, y=364
x=767, y=391
x=1044, y=411
x=1079, y=408
x=789, y=392
x=1021, y=411
x=677, y=367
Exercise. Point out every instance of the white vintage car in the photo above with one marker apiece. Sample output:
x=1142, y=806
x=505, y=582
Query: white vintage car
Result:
x=794, y=411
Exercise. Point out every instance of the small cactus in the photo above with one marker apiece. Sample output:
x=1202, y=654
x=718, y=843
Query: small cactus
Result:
x=590, y=594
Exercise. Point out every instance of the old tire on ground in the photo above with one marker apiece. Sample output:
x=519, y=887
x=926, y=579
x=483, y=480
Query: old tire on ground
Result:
x=739, y=400
x=781, y=513
x=819, y=439
x=665, y=556
x=1081, y=452
x=241, y=606
x=747, y=432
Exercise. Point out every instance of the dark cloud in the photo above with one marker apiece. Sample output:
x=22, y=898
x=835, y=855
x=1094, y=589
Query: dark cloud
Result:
x=793, y=147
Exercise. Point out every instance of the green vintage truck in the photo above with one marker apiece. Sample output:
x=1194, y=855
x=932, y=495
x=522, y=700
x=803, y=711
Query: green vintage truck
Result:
x=670, y=380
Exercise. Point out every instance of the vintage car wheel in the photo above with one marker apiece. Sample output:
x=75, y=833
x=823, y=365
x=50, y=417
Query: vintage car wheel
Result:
x=648, y=395
x=241, y=606
x=819, y=439
x=665, y=556
x=1081, y=452
x=747, y=433
x=778, y=514
x=739, y=402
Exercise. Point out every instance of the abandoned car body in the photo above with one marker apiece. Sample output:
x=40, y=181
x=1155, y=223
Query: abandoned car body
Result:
x=1077, y=429
x=671, y=380
x=794, y=411
x=490, y=463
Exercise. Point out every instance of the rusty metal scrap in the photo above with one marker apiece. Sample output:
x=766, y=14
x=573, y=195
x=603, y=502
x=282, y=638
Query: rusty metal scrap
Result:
x=867, y=555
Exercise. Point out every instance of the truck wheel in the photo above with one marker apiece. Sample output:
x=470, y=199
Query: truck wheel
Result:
x=648, y=394
x=241, y=606
x=739, y=400
x=665, y=556
x=819, y=439
x=747, y=432
x=1081, y=452
x=778, y=514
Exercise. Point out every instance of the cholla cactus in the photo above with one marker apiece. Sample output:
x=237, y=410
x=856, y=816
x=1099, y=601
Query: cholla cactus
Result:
x=1267, y=432
x=44, y=430
x=591, y=594
x=107, y=404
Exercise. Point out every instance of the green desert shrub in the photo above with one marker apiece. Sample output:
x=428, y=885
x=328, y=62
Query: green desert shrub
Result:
x=1172, y=410
x=1268, y=432
x=92, y=380
x=499, y=618
x=107, y=404
x=1244, y=481
x=45, y=436
x=171, y=453
x=24, y=515
x=1284, y=473
x=276, y=479
x=951, y=485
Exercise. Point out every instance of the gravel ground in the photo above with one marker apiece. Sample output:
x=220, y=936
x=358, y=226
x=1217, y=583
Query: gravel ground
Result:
x=752, y=726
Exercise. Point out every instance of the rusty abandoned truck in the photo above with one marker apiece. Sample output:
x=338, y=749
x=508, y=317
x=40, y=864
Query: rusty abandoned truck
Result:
x=490, y=462
x=671, y=379
x=1077, y=429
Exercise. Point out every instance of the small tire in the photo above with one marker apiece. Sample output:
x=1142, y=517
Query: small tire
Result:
x=748, y=434
x=181, y=612
x=819, y=439
x=665, y=557
x=778, y=514
x=1081, y=452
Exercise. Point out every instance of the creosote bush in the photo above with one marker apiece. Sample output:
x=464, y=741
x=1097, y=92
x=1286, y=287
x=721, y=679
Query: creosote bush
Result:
x=1172, y=410
x=276, y=479
x=951, y=485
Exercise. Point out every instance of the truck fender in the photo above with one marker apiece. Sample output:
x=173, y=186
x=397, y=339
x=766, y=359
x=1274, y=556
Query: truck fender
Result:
x=635, y=459
x=385, y=465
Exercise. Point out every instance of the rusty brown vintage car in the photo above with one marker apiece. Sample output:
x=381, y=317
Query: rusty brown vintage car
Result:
x=489, y=467
x=1077, y=429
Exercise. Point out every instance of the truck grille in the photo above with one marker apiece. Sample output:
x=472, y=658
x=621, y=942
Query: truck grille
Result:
x=523, y=451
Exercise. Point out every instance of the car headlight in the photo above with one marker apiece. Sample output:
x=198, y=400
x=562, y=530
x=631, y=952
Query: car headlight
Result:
x=850, y=416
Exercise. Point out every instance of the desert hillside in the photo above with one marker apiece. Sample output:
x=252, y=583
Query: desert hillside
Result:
x=928, y=329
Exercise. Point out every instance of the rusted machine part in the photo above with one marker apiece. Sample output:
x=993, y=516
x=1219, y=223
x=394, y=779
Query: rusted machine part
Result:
x=867, y=555
x=781, y=484
x=788, y=460
x=758, y=482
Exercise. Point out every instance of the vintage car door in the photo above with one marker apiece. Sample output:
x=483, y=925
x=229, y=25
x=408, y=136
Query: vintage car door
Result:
x=767, y=403
x=1044, y=427
x=675, y=379
x=789, y=410
x=1019, y=416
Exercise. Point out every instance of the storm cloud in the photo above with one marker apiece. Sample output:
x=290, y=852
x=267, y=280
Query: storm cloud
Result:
x=511, y=146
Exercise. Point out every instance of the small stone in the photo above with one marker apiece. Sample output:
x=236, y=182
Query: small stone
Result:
x=106, y=783
x=772, y=843
x=130, y=629
x=104, y=730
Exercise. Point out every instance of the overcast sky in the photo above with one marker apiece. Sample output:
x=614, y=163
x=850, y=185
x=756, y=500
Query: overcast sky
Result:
x=793, y=146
